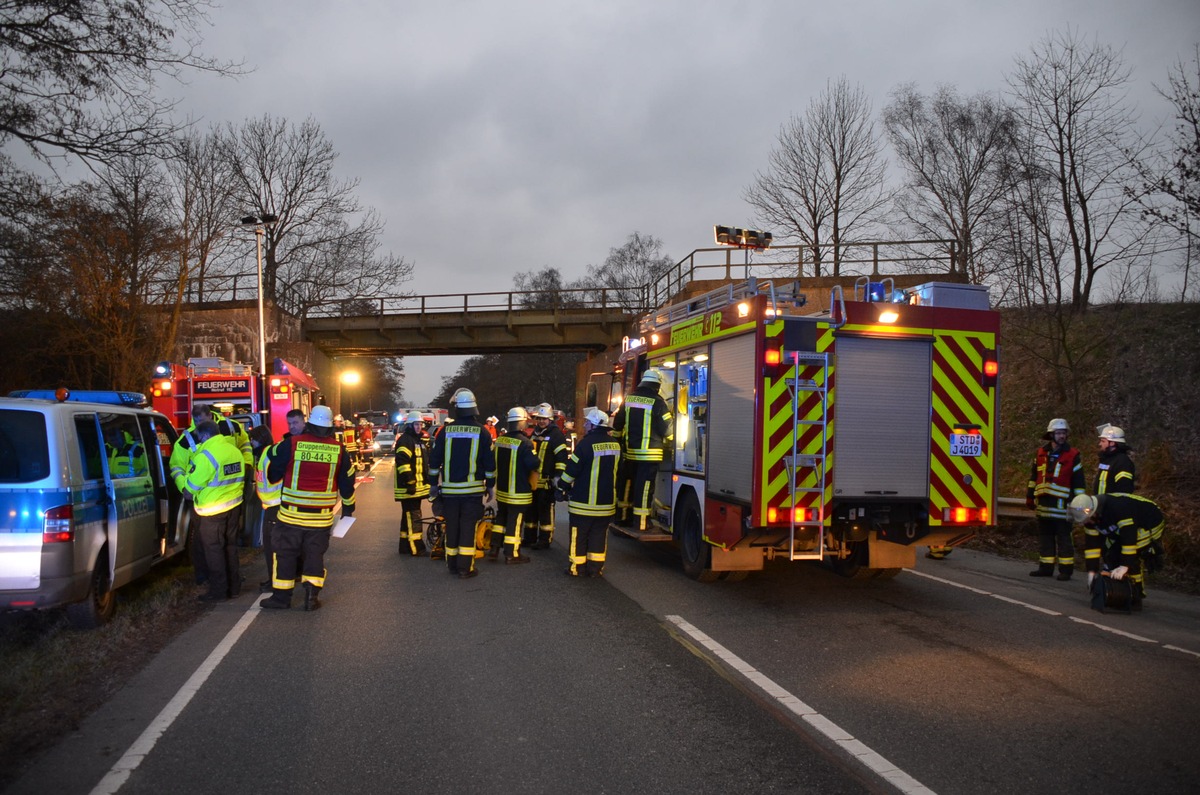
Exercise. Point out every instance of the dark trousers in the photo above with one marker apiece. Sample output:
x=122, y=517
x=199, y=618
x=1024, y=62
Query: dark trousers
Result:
x=218, y=538
x=462, y=514
x=589, y=543
x=1056, y=544
x=299, y=552
x=410, y=525
x=541, y=520
x=270, y=518
x=509, y=527
x=196, y=546
x=642, y=490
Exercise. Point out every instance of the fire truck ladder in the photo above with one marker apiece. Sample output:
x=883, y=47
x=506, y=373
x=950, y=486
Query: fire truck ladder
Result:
x=803, y=466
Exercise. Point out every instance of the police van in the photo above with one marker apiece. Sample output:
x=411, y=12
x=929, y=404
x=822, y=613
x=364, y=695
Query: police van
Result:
x=86, y=504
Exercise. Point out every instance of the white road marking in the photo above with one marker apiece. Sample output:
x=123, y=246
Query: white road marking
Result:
x=120, y=772
x=854, y=748
x=1048, y=612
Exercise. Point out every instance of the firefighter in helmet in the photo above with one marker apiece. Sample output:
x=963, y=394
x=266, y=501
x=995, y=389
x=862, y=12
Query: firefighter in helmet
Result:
x=316, y=471
x=412, y=481
x=589, y=485
x=516, y=474
x=1115, y=474
x=1055, y=478
x=643, y=424
x=1120, y=532
x=463, y=467
x=490, y=425
x=551, y=447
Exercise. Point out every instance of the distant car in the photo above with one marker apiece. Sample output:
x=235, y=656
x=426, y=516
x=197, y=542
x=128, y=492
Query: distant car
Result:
x=383, y=444
x=86, y=505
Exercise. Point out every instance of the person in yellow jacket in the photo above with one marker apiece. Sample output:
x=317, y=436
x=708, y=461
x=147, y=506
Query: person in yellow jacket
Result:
x=411, y=482
x=216, y=477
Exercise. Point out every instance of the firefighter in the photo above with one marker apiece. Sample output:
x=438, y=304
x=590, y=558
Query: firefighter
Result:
x=1056, y=477
x=1120, y=531
x=316, y=470
x=412, y=481
x=516, y=475
x=490, y=425
x=1115, y=474
x=180, y=463
x=551, y=447
x=216, y=479
x=463, y=467
x=644, y=426
x=350, y=441
x=589, y=485
x=366, y=437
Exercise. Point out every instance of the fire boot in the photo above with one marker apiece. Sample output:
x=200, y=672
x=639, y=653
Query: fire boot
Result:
x=1043, y=570
x=493, y=554
x=1065, y=572
x=515, y=557
x=311, y=602
x=543, y=541
x=281, y=599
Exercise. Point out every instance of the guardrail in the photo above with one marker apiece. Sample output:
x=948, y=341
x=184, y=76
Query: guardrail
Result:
x=1013, y=508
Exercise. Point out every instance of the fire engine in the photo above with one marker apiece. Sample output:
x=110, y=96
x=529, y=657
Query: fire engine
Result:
x=233, y=387
x=853, y=435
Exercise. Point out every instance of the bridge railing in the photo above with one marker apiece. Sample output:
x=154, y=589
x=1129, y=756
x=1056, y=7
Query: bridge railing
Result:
x=630, y=300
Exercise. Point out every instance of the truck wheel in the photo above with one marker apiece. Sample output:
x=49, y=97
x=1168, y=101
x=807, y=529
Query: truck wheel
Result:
x=696, y=554
x=101, y=601
x=852, y=566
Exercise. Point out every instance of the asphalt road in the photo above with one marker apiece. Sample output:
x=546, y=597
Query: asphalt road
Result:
x=964, y=676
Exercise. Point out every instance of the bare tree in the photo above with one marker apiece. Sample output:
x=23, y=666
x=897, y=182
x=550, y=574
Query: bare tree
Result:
x=78, y=76
x=636, y=264
x=1173, y=185
x=825, y=182
x=955, y=151
x=324, y=244
x=1079, y=138
x=545, y=289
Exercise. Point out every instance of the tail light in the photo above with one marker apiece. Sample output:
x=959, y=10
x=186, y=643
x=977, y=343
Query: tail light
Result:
x=782, y=515
x=960, y=515
x=991, y=369
x=58, y=526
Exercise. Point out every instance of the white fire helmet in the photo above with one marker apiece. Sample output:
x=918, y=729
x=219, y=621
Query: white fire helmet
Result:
x=492, y=420
x=414, y=416
x=651, y=376
x=464, y=399
x=518, y=414
x=1082, y=508
x=321, y=416
x=544, y=411
x=1112, y=433
x=1056, y=424
x=596, y=417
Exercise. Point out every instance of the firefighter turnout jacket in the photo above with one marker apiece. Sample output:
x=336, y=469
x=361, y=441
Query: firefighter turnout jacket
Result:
x=550, y=445
x=590, y=479
x=516, y=468
x=1115, y=475
x=1134, y=524
x=644, y=423
x=315, y=470
x=1056, y=477
x=462, y=460
x=412, y=466
x=270, y=494
x=216, y=477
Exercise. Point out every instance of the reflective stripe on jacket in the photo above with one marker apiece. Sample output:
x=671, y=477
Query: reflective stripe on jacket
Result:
x=591, y=475
x=315, y=471
x=216, y=477
x=1055, y=479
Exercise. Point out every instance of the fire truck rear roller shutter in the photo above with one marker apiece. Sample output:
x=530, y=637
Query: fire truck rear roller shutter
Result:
x=731, y=417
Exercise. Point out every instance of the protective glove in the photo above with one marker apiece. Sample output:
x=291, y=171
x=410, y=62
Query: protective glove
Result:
x=347, y=510
x=560, y=495
x=434, y=492
x=1091, y=579
x=1119, y=572
x=489, y=494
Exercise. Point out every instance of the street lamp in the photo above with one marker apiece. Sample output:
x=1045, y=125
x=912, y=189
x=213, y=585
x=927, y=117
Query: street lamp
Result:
x=260, y=224
x=349, y=378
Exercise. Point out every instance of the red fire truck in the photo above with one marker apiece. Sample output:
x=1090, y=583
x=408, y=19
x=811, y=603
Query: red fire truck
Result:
x=852, y=435
x=233, y=387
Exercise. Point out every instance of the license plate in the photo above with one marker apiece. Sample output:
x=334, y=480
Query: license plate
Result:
x=966, y=444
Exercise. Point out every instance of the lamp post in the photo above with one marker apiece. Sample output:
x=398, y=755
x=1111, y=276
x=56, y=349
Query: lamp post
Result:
x=260, y=224
x=348, y=378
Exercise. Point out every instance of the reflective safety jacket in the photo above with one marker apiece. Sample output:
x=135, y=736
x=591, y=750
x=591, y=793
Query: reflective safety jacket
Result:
x=350, y=439
x=1131, y=521
x=462, y=459
x=315, y=472
x=1057, y=476
x=644, y=424
x=1115, y=475
x=516, y=469
x=590, y=479
x=550, y=444
x=216, y=477
x=269, y=493
x=412, y=466
x=185, y=445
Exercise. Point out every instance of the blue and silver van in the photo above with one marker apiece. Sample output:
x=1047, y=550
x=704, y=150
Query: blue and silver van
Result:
x=86, y=505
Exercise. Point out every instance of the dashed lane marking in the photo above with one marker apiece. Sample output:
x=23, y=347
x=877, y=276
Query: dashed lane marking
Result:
x=839, y=736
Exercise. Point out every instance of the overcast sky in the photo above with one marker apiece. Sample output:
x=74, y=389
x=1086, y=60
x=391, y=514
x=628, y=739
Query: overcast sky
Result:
x=500, y=137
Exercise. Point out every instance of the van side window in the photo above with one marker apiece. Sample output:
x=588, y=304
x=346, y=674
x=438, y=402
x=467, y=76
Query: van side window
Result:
x=24, y=452
x=123, y=446
x=89, y=446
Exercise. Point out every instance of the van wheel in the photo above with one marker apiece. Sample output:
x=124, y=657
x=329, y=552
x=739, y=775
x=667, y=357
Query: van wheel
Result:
x=696, y=554
x=101, y=602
